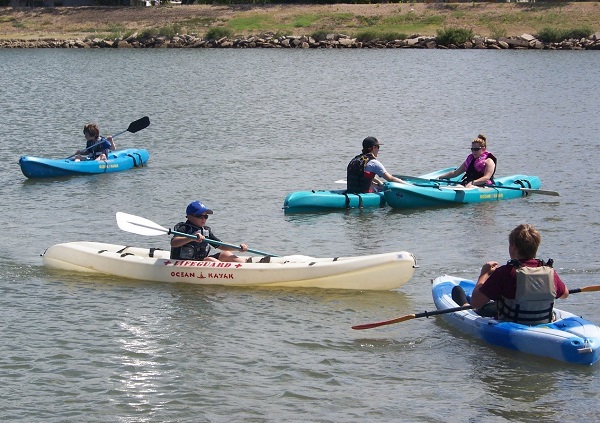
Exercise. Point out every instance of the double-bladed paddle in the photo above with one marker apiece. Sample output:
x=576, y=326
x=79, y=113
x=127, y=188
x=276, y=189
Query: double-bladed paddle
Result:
x=141, y=226
x=450, y=182
x=529, y=190
x=133, y=127
x=590, y=288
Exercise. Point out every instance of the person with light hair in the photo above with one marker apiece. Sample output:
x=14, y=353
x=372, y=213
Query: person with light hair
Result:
x=478, y=168
x=521, y=291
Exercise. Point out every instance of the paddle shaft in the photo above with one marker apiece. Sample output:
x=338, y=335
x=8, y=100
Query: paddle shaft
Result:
x=142, y=226
x=531, y=190
x=410, y=317
x=591, y=288
x=211, y=241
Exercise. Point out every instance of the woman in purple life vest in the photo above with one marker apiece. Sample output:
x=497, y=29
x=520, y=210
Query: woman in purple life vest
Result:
x=478, y=168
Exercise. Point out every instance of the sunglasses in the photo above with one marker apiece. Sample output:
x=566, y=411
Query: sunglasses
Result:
x=201, y=216
x=476, y=148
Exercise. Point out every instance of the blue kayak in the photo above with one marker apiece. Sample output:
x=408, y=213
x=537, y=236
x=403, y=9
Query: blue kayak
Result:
x=120, y=160
x=569, y=338
x=425, y=192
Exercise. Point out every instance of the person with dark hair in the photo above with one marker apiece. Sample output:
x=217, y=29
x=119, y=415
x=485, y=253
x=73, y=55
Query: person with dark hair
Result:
x=363, y=170
x=185, y=248
x=521, y=291
x=97, y=147
x=478, y=168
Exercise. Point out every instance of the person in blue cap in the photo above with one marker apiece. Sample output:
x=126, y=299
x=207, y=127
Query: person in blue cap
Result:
x=184, y=248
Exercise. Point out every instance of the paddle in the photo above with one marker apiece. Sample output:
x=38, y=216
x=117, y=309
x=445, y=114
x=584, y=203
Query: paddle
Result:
x=531, y=190
x=141, y=226
x=133, y=127
x=590, y=288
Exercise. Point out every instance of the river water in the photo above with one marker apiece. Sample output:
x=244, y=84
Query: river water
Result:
x=239, y=129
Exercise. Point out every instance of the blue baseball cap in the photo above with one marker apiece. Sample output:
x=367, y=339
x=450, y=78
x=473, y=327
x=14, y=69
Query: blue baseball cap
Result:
x=196, y=208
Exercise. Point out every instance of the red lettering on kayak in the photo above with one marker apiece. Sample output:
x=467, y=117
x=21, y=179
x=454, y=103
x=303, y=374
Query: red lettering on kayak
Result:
x=196, y=263
x=183, y=275
x=220, y=275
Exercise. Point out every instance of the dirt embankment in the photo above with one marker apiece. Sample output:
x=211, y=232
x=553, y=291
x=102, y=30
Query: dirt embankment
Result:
x=515, y=18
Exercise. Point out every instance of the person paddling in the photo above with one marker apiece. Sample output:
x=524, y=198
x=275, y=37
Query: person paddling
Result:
x=521, y=291
x=97, y=147
x=184, y=248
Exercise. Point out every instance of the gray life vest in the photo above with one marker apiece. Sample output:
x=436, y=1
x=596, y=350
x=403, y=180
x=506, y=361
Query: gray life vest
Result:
x=534, y=297
x=192, y=250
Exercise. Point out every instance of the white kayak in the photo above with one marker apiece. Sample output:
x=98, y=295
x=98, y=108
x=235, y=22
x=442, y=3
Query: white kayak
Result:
x=371, y=272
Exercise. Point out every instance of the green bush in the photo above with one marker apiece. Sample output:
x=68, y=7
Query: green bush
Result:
x=320, y=35
x=454, y=36
x=555, y=35
x=218, y=32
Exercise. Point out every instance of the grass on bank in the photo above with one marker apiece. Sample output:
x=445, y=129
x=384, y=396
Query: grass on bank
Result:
x=547, y=20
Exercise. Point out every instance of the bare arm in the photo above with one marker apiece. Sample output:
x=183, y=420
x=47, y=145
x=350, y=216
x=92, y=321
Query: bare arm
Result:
x=477, y=298
x=178, y=241
x=391, y=178
x=458, y=171
x=113, y=146
x=490, y=166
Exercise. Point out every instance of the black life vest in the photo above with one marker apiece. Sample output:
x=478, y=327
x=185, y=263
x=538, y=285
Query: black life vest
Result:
x=472, y=174
x=534, y=296
x=357, y=181
x=192, y=250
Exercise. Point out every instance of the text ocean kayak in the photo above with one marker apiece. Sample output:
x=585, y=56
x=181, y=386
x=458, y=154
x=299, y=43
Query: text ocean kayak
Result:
x=120, y=160
x=372, y=272
x=569, y=338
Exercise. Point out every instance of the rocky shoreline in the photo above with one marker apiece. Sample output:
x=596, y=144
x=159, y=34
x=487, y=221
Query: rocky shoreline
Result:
x=525, y=41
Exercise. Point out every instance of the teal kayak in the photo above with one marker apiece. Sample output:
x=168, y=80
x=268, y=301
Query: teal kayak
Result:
x=322, y=200
x=570, y=338
x=120, y=160
x=425, y=192
x=329, y=200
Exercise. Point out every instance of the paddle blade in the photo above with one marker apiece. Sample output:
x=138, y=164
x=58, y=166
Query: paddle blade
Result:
x=138, y=125
x=139, y=225
x=385, y=322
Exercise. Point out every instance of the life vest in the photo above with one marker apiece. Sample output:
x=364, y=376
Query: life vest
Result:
x=534, y=296
x=102, y=147
x=475, y=168
x=356, y=178
x=192, y=250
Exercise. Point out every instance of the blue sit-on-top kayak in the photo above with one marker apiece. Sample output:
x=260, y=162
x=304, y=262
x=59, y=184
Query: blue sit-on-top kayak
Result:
x=38, y=167
x=569, y=338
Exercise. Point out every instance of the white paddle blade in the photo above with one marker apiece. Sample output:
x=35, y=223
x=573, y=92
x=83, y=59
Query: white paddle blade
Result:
x=340, y=181
x=139, y=225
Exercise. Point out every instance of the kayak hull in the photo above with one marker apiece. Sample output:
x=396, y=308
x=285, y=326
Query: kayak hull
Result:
x=569, y=339
x=332, y=200
x=372, y=272
x=322, y=200
x=120, y=160
x=432, y=194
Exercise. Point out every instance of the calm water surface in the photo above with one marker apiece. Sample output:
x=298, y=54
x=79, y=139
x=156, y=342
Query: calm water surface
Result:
x=239, y=130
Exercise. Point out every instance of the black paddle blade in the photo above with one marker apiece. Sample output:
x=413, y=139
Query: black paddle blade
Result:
x=139, y=124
